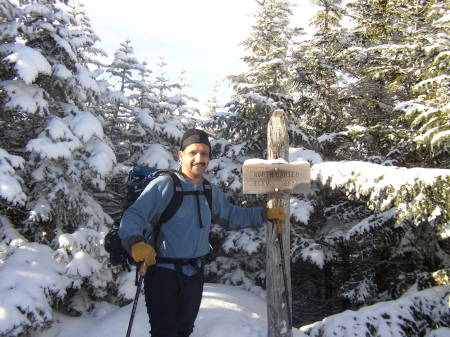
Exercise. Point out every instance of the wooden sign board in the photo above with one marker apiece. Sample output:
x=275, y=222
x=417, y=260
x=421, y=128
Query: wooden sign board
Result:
x=265, y=177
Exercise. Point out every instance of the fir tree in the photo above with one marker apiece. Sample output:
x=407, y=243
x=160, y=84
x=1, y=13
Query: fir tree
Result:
x=426, y=50
x=213, y=102
x=123, y=70
x=373, y=67
x=386, y=58
x=316, y=71
x=265, y=86
x=48, y=88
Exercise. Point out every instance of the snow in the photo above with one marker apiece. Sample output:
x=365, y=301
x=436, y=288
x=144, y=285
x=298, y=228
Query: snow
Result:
x=10, y=183
x=126, y=288
x=83, y=265
x=225, y=311
x=28, y=276
x=328, y=137
x=85, y=125
x=256, y=161
x=229, y=311
x=146, y=119
x=84, y=77
x=177, y=100
x=29, y=62
x=314, y=254
x=60, y=144
x=27, y=98
x=35, y=278
x=47, y=149
x=440, y=137
x=301, y=154
x=441, y=332
x=7, y=233
x=11, y=190
x=59, y=70
x=225, y=171
x=260, y=99
x=301, y=210
x=386, y=318
x=64, y=45
x=173, y=128
x=118, y=97
x=38, y=9
x=245, y=240
x=102, y=157
x=371, y=177
x=350, y=129
x=156, y=155
x=77, y=240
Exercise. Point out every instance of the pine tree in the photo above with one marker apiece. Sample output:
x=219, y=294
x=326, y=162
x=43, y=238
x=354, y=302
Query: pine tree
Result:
x=48, y=92
x=386, y=58
x=373, y=66
x=123, y=71
x=213, y=102
x=265, y=86
x=426, y=50
x=147, y=109
x=164, y=87
x=316, y=71
x=173, y=103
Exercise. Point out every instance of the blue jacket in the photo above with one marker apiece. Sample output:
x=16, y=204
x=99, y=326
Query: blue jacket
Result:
x=182, y=236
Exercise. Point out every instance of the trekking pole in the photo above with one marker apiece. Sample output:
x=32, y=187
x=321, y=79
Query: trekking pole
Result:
x=279, y=226
x=142, y=272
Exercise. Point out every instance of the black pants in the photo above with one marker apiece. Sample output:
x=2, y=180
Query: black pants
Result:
x=173, y=300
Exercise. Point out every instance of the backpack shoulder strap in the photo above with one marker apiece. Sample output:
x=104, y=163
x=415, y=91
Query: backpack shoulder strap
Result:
x=177, y=197
x=208, y=192
x=178, y=193
x=171, y=208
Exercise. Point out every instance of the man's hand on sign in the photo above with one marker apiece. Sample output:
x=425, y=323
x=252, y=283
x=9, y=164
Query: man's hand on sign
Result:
x=277, y=214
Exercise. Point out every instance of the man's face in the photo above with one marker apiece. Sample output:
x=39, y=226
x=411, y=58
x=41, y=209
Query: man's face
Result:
x=194, y=160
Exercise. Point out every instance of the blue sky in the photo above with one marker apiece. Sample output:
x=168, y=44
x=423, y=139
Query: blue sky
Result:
x=201, y=37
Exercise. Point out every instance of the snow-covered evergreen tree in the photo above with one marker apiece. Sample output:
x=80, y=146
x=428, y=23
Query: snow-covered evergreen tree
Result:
x=389, y=45
x=318, y=81
x=373, y=234
x=148, y=113
x=182, y=100
x=265, y=86
x=426, y=50
x=130, y=92
x=368, y=77
x=47, y=88
x=165, y=119
x=213, y=104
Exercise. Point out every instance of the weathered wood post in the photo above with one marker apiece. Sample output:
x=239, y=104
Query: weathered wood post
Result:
x=278, y=310
x=278, y=178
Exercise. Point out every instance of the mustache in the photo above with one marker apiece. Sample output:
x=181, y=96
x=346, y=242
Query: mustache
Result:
x=199, y=163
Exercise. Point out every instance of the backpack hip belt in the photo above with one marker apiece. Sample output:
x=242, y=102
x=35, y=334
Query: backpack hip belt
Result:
x=179, y=263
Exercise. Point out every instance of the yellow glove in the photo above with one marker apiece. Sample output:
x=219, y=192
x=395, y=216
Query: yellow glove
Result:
x=141, y=251
x=276, y=213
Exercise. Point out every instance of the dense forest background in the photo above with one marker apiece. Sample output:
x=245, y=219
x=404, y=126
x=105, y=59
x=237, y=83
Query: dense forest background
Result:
x=367, y=100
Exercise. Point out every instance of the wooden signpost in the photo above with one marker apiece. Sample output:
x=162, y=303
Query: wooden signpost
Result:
x=277, y=178
x=267, y=177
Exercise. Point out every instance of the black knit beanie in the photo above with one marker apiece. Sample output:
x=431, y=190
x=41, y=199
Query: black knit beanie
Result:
x=194, y=136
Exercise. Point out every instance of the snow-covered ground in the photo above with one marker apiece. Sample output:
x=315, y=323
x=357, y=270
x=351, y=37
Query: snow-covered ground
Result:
x=225, y=311
x=230, y=311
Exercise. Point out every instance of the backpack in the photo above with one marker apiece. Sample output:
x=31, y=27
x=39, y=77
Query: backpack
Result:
x=138, y=178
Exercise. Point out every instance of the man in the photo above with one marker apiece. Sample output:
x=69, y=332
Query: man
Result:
x=173, y=289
